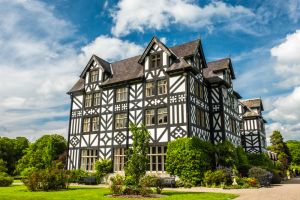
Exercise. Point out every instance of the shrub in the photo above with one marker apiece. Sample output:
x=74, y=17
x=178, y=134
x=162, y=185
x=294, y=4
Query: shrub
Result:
x=5, y=179
x=226, y=154
x=276, y=179
x=214, y=178
x=263, y=176
x=246, y=182
x=103, y=168
x=73, y=176
x=152, y=181
x=117, y=183
x=45, y=180
x=185, y=184
x=242, y=165
x=260, y=160
x=189, y=158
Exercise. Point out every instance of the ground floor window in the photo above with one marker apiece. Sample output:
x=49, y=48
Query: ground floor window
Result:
x=88, y=159
x=157, y=158
x=119, y=159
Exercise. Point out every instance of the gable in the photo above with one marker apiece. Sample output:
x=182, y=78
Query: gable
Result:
x=96, y=62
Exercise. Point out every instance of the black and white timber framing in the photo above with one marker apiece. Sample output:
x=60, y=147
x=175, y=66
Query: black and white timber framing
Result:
x=199, y=99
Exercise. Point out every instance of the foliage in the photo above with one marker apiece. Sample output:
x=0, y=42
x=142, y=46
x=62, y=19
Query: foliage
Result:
x=11, y=150
x=260, y=160
x=294, y=150
x=214, y=178
x=116, y=185
x=263, y=176
x=19, y=192
x=73, y=176
x=276, y=179
x=189, y=158
x=42, y=153
x=152, y=181
x=103, y=168
x=3, y=166
x=5, y=179
x=246, y=182
x=181, y=183
x=280, y=147
x=137, y=159
x=242, y=165
x=226, y=154
x=46, y=179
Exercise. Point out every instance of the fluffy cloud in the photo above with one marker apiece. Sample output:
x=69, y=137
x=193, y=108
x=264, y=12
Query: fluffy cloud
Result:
x=37, y=67
x=288, y=60
x=135, y=15
x=110, y=48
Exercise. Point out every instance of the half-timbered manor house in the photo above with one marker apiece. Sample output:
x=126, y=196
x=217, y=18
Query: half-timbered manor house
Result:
x=172, y=90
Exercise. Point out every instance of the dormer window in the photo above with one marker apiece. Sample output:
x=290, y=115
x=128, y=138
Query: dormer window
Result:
x=94, y=76
x=155, y=61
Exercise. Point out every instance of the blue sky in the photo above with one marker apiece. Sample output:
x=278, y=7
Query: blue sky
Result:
x=46, y=44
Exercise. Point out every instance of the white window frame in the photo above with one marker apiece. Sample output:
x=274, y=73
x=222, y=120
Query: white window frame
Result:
x=162, y=114
x=88, y=100
x=95, y=124
x=155, y=157
x=86, y=124
x=150, y=117
x=150, y=89
x=94, y=75
x=97, y=99
x=88, y=159
x=119, y=159
x=121, y=94
x=162, y=87
x=120, y=121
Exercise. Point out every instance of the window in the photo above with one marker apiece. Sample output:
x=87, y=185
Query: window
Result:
x=88, y=159
x=150, y=117
x=162, y=87
x=88, y=100
x=162, y=115
x=121, y=94
x=86, y=124
x=94, y=76
x=95, y=126
x=199, y=90
x=233, y=126
x=157, y=158
x=120, y=121
x=155, y=61
x=200, y=118
x=149, y=89
x=96, y=99
x=119, y=159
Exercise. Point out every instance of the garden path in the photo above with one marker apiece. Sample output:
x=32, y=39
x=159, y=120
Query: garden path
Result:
x=289, y=190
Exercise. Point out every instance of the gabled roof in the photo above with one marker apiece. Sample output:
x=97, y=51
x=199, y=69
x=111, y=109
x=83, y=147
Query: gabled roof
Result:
x=155, y=40
x=103, y=63
x=253, y=103
x=130, y=68
x=217, y=66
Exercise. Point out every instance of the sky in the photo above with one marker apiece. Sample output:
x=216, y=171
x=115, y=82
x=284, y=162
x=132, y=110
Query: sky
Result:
x=45, y=45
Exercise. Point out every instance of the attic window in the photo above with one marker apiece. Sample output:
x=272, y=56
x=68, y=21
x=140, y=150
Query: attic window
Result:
x=94, y=76
x=155, y=61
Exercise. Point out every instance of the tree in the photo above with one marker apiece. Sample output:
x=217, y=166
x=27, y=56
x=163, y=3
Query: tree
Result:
x=242, y=162
x=279, y=146
x=294, y=149
x=137, y=159
x=42, y=153
x=189, y=158
x=226, y=154
x=11, y=150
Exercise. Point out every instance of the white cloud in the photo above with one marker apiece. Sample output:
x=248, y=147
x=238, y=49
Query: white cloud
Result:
x=135, y=15
x=37, y=67
x=110, y=48
x=288, y=60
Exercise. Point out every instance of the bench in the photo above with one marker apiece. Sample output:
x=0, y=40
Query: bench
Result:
x=168, y=181
x=88, y=180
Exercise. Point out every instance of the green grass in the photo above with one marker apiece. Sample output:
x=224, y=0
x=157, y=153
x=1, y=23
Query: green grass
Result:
x=19, y=192
x=17, y=181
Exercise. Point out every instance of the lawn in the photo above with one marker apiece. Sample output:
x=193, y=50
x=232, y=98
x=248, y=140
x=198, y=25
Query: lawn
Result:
x=19, y=192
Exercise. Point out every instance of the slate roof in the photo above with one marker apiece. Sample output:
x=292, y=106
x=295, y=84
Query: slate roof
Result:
x=219, y=65
x=130, y=69
x=253, y=103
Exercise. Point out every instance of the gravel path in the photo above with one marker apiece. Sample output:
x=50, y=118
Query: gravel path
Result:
x=290, y=190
